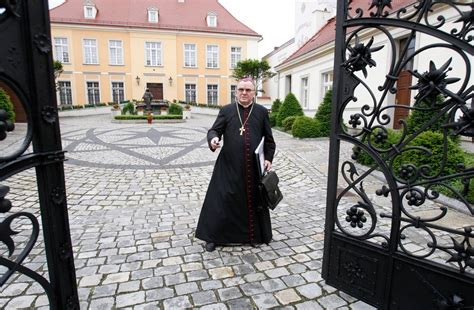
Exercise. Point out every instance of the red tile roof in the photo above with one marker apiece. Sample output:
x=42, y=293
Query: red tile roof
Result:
x=328, y=32
x=188, y=16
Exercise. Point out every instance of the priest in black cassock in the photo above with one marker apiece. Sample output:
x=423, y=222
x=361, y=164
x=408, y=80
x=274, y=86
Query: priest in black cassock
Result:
x=231, y=212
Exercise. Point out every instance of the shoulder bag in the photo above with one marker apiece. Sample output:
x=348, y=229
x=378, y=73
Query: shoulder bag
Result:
x=269, y=191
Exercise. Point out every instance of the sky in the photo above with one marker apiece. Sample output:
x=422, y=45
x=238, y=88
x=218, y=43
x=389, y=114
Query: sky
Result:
x=274, y=20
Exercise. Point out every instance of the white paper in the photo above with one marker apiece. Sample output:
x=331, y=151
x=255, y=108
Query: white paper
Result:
x=260, y=156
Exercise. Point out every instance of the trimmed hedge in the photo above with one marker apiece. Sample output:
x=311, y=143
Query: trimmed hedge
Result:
x=288, y=122
x=323, y=115
x=134, y=117
x=418, y=118
x=130, y=108
x=305, y=127
x=7, y=105
x=290, y=107
x=276, y=106
x=273, y=119
x=175, y=109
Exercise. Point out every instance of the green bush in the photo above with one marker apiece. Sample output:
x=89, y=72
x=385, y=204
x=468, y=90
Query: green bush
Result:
x=175, y=109
x=305, y=127
x=134, y=117
x=273, y=117
x=276, y=106
x=7, y=105
x=288, y=122
x=363, y=157
x=323, y=115
x=418, y=118
x=434, y=142
x=290, y=107
x=130, y=108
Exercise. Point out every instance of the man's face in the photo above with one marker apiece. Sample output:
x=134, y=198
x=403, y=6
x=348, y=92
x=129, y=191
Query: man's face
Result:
x=245, y=92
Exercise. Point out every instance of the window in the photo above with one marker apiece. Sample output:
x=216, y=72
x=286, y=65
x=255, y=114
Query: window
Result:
x=65, y=93
x=117, y=92
x=212, y=94
x=89, y=12
x=93, y=93
x=153, y=53
x=152, y=15
x=233, y=90
x=190, y=55
x=211, y=19
x=61, y=49
x=212, y=56
x=304, y=92
x=190, y=92
x=116, y=52
x=327, y=82
x=90, y=51
x=235, y=56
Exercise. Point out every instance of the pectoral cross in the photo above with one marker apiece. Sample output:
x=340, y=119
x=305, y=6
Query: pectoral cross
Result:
x=242, y=129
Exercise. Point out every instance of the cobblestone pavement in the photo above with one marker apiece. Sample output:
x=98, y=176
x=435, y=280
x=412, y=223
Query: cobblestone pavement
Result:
x=134, y=196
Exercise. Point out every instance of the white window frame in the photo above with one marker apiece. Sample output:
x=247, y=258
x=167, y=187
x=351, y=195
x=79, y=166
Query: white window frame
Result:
x=112, y=91
x=186, y=90
x=304, y=92
x=93, y=59
x=233, y=93
x=149, y=61
x=153, y=16
x=89, y=11
x=326, y=82
x=235, y=56
x=211, y=19
x=116, y=52
x=190, y=54
x=68, y=95
x=210, y=56
x=94, y=96
x=61, y=49
x=212, y=97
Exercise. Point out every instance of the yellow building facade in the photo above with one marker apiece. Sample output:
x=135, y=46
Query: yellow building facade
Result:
x=106, y=63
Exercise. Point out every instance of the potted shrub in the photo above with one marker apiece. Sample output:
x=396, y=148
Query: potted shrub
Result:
x=149, y=117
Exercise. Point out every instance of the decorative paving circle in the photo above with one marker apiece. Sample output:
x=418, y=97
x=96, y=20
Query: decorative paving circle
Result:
x=138, y=147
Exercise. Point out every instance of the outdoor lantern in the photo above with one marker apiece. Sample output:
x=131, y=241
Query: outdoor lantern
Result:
x=171, y=81
x=138, y=80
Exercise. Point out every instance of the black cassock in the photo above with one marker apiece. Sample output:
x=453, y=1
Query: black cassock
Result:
x=231, y=212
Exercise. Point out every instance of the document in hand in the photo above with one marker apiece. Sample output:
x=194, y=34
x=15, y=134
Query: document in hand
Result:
x=260, y=156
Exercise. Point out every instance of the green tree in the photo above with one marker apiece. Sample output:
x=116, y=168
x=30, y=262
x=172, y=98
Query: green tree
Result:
x=276, y=105
x=290, y=107
x=6, y=105
x=258, y=70
x=323, y=115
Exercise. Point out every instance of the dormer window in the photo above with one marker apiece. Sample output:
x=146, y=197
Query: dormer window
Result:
x=211, y=19
x=90, y=11
x=152, y=15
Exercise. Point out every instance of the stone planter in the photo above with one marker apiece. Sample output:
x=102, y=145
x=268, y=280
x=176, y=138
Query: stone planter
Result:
x=164, y=112
x=115, y=113
x=186, y=114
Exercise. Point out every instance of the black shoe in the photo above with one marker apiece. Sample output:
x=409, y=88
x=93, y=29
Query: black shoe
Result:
x=210, y=246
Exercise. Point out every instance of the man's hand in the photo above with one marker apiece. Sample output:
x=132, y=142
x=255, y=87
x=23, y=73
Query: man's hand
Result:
x=215, y=143
x=268, y=165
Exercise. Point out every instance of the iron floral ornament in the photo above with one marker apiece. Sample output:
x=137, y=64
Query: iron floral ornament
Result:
x=361, y=56
x=380, y=5
x=433, y=82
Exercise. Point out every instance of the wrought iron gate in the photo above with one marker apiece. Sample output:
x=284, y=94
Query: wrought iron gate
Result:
x=389, y=238
x=26, y=72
